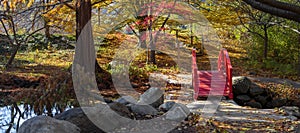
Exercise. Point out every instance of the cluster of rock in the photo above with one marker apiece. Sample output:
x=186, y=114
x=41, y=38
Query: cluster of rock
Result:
x=247, y=93
x=150, y=105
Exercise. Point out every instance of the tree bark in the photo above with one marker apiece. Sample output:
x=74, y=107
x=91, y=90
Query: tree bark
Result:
x=280, y=9
x=85, y=51
x=266, y=40
x=83, y=15
x=299, y=55
x=282, y=5
x=46, y=21
x=142, y=38
x=18, y=44
x=152, y=43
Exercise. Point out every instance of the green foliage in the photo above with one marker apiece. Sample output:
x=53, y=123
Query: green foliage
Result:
x=283, y=49
x=151, y=68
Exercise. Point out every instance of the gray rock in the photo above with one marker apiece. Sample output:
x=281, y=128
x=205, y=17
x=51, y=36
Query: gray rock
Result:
x=178, y=112
x=126, y=100
x=153, y=96
x=255, y=90
x=296, y=102
x=99, y=118
x=46, y=124
x=121, y=109
x=279, y=102
x=167, y=106
x=269, y=104
x=107, y=100
x=254, y=104
x=182, y=106
x=242, y=99
x=240, y=85
x=106, y=118
x=78, y=117
x=143, y=109
x=261, y=99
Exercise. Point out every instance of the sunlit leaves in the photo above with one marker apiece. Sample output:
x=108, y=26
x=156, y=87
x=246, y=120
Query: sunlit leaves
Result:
x=222, y=14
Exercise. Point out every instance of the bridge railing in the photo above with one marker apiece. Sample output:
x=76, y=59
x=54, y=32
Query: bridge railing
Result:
x=225, y=67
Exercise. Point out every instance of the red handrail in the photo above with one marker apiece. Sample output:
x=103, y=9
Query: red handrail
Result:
x=224, y=67
x=195, y=72
x=228, y=68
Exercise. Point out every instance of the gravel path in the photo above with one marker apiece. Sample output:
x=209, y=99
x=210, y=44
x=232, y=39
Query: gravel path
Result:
x=230, y=117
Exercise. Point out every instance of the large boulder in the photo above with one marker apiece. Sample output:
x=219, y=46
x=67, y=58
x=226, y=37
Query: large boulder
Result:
x=46, y=124
x=242, y=99
x=296, y=102
x=89, y=119
x=240, y=85
x=143, y=109
x=278, y=102
x=255, y=90
x=79, y=118
x=121, y=109
x=153, y=96
x=254, y=104
x=178, y=112
x=261, y=99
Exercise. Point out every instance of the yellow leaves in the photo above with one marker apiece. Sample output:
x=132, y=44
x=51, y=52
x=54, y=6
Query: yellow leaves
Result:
x=101, y=4
x=63, y=17
x=220, y=14
x=30, y=2
x=16, y=4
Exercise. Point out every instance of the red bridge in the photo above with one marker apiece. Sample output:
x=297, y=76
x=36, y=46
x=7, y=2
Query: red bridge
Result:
x=218, y=82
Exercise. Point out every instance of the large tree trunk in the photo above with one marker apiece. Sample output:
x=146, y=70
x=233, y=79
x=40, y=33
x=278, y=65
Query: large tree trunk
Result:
x=85, y=51
x=83, y=16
